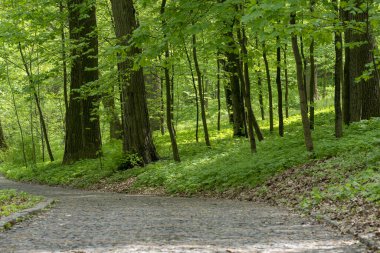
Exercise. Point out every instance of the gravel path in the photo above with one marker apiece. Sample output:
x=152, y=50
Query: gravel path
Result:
x=109, y=222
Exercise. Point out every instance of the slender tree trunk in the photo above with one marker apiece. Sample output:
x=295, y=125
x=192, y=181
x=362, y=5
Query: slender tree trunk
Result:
x=304, y=62
x=37, y=100
x=279, y=90
x=269, y=88
x=200, y=89
x=64, y=58
x=137, y=135
x=162, y=118
x=218, y=93
x=3, y=144
x=312, y=83
x=247, y=92
x=34, y=160
x=260, y=85
x=169, y=89
x=312, y=73
x=301, y=89
x=286, y=82
x=114, y=123
x=338, y=42
x=195, y=93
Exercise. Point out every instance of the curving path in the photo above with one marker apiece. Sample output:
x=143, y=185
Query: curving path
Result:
x=109, y=222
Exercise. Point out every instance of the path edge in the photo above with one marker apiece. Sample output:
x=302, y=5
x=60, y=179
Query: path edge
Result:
x=363, y=238
x=14, y=218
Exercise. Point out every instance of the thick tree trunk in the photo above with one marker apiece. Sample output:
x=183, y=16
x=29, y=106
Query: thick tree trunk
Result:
x=270, y=96
x=200, y=90
x=137, y=136
x=361, y=95
x=301, y=89
x=279, y=90
x=83, y=140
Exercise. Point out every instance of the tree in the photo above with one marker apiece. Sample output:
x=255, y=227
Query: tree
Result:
x=169, y=90
x=3, y=144
x=137, y=136
x=338, y=74
x=301, y=88
x=361, y=91
x=83, y=140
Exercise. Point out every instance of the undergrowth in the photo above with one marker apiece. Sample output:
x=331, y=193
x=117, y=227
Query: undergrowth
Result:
x=12, y=201
x=229, y=164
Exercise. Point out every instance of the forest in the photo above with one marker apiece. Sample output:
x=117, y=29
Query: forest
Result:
x=229, y=98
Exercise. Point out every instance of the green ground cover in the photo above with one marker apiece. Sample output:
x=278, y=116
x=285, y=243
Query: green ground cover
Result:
x=229, y=165
x=12, y=201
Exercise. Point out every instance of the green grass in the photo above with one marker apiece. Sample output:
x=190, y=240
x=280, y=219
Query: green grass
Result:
x=12, y=201
x=227, y=165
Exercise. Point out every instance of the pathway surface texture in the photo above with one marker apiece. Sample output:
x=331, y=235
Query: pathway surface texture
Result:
x=83, y=221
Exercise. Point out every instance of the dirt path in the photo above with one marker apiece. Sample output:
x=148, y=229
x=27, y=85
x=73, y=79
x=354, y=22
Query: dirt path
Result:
x=109, y=222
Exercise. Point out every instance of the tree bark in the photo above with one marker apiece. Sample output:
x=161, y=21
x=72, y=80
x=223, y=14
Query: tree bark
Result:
x=169, y=88
x=195, y=93
x=286, y=82
x=301, y=89
x=37, y=100
x=279, y=90
x=338, y=76
x=200, y=90
x=260, y=85
x=83, y=140
x=137, y=136
x=270, y=96
x=361, y=95
x=3, y=144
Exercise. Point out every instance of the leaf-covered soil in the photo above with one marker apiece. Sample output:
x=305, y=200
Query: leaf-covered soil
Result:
x=12, y=201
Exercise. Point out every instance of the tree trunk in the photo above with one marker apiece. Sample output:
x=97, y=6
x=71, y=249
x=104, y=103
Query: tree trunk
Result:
x=83, y=140
x=195, y=93
x=37, y=100
x=279, y=90
x=260, y=85
x=301, y=89
x=286, y=83
x=113, y=121
x=338, y=42
x=247, y=93
x=218, y=93
x=3, y=144
x=200, y=90
x=232, y=68
x=269, y=88
x=312, y=83
x=137, y=136
x=363, y=94
x=169, y=97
